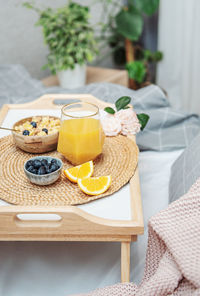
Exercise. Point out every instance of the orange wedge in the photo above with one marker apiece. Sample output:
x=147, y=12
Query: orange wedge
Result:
x=94, y=186
x=84, y=170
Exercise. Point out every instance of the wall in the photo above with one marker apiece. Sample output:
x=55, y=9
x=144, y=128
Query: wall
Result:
x=179, y=39
x=22, y=42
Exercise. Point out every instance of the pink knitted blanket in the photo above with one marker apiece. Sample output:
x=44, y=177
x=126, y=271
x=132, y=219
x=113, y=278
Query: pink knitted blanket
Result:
x=173, y=253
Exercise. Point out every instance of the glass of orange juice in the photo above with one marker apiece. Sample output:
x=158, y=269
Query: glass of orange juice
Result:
x=81, y=137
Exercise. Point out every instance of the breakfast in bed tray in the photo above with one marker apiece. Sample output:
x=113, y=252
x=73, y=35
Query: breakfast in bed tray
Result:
x=58, y=157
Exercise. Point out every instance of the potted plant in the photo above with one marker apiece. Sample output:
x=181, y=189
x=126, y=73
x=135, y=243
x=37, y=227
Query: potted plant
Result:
x=70, y=39
x=122, y=32
x=138, y=66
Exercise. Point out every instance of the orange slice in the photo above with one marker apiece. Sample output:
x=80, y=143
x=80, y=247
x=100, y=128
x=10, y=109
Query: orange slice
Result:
x=84, y=170
x=94, y=186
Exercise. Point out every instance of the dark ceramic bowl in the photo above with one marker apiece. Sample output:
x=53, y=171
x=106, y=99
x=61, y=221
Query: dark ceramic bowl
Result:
x=47, y=178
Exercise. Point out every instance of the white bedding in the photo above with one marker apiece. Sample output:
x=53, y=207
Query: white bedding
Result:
x=63, y=268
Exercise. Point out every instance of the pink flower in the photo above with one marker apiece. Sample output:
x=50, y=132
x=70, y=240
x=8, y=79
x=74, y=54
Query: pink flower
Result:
x=131, y=128
x=124, y=121
x=111, y=125
x=126, y=115
x=129, y=121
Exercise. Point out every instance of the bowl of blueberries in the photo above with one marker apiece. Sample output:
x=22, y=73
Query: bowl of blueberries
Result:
x=43, y=170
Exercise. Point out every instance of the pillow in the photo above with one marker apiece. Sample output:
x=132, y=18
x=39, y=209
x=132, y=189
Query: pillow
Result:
x=185, y=170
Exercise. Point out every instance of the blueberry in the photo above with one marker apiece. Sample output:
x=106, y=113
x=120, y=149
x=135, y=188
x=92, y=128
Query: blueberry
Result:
x=45, y=130
x=37, y=163
x=30, y=168
x=53, y=168
x=48, y=171
x=47, y=167
x=34, y=171
x=29, y=163
x=54, y=161
x=34, y=124
x=44, y=162
x=42, y=170
x=25, y=133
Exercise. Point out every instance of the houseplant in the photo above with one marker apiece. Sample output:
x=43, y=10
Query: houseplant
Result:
x=123, y=30
x=70, y=40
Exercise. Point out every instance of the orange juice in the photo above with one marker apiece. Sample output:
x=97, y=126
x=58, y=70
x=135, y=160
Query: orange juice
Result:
x=80, y=139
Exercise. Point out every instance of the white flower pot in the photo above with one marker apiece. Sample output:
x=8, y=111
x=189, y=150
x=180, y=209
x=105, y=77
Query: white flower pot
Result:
x=72, y=78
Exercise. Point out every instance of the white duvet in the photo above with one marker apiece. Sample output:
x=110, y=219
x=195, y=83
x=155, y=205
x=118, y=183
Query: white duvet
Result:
x=62, y=268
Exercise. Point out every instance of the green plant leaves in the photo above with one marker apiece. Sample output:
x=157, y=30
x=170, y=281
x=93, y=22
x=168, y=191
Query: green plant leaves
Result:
x=152, y=56
x=68, y=35
x=27, y=5
x=158, y=56
x=149, y=7
x=122, y=102
x=129, y=23
x=143, y=119
x=109, y=110
x=136, y=71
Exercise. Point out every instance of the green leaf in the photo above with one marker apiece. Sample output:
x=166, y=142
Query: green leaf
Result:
x=143, y=119
x=158, y=56
x=27, y=5
x=149, y=7
x=136, y=71
x=152, y=56
x=109, y=110
x=122, y=102
x=129, y=24
x=148, y=55
x=30, y=5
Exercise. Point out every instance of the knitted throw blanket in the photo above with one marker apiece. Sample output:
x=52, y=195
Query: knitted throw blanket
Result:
x=173, y=253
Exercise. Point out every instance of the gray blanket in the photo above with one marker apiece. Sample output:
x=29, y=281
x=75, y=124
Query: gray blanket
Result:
x=167, y=129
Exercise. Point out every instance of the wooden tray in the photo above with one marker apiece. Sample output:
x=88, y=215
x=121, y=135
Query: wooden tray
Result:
x=76, y=223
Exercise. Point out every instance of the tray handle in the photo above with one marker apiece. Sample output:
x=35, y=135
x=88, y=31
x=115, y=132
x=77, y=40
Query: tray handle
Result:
x=72, y=222
x=48, y=101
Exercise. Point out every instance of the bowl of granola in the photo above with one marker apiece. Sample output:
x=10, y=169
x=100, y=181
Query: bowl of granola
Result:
x=37, y=134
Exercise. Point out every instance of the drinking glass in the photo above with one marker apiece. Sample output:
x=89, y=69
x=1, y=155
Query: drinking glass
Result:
x=81, y=137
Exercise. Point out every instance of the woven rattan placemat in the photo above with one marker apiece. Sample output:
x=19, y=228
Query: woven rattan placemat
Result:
x=119, y=159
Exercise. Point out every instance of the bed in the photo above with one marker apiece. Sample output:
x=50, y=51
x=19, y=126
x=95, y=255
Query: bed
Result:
x=55, y=268
x=63, y=268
